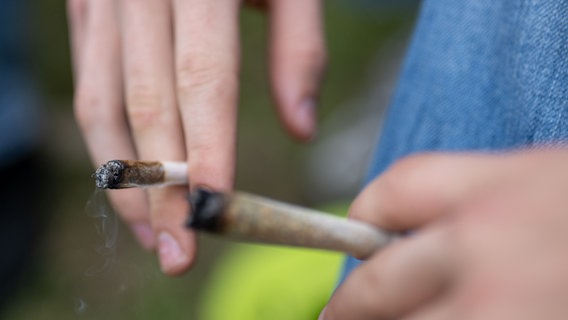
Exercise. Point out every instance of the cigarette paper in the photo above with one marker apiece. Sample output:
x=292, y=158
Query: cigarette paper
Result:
x=120, y=174
x=246, y=217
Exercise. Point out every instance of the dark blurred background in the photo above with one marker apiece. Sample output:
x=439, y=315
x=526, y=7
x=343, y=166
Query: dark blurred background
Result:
x=68, y=260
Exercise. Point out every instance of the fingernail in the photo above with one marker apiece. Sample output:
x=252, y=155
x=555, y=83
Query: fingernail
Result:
x=144, y=234
x=306, y=118
x=322, y=314
x=172, y=257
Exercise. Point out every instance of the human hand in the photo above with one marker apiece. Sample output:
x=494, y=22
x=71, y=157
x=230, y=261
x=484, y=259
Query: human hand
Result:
x=158, y=80
x=490, y=244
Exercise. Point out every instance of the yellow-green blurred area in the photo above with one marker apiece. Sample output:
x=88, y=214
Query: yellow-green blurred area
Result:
x=79, y=273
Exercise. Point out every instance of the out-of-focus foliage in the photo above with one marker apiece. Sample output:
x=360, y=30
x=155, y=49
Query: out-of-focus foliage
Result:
x=262, y=282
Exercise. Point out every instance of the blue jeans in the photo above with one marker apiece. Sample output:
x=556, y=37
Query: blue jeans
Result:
x=479, y=75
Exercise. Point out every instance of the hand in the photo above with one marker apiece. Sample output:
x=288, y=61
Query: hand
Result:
x=158, y=80
x=490, y=241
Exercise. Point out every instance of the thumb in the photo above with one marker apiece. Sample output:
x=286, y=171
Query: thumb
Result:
x=420, y=188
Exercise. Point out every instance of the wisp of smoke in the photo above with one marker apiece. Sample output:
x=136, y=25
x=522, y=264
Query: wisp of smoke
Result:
x=106, y=224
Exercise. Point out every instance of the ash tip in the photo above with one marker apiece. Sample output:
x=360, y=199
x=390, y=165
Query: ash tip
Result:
x=206, y=210
x=108, y=175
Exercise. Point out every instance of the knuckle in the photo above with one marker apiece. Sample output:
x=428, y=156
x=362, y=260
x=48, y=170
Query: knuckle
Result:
x=91, y=110
x=144, y=105
x=315, y=57
x=201, y=72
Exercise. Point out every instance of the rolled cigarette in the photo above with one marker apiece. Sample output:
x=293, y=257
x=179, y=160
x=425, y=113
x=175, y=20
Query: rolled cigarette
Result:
x=120, y=174
x=251, y=218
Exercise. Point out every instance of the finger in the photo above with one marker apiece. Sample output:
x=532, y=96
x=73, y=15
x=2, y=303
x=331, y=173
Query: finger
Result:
x=417, y=189
x=396, y=281
x=297, y=62
x=207, y=71
x=99, y=110
x=76, y=17
x=440, y=310
x=154, y=121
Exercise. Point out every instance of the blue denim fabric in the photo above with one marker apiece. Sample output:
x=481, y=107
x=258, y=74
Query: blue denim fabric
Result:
x=479, y=75
x=19, y=106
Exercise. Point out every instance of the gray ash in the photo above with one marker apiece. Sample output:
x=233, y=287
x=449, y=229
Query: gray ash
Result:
x=109, y=175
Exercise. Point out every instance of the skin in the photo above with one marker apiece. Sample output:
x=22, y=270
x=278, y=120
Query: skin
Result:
x=489, y=242
x=158, y=80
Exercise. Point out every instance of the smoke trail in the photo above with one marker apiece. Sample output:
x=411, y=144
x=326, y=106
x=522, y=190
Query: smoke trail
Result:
x=80, y=306
x=117, y=282
x=106, y=224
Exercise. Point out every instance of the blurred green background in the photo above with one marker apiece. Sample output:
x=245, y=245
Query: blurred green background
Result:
x=74, y=277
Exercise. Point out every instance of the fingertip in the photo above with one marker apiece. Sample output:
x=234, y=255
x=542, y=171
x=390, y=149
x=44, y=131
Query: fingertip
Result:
x=322, y=314
x=302, y=124
x=174, y=260
x=176, y=246
x=373, y=205
x=297, y=64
